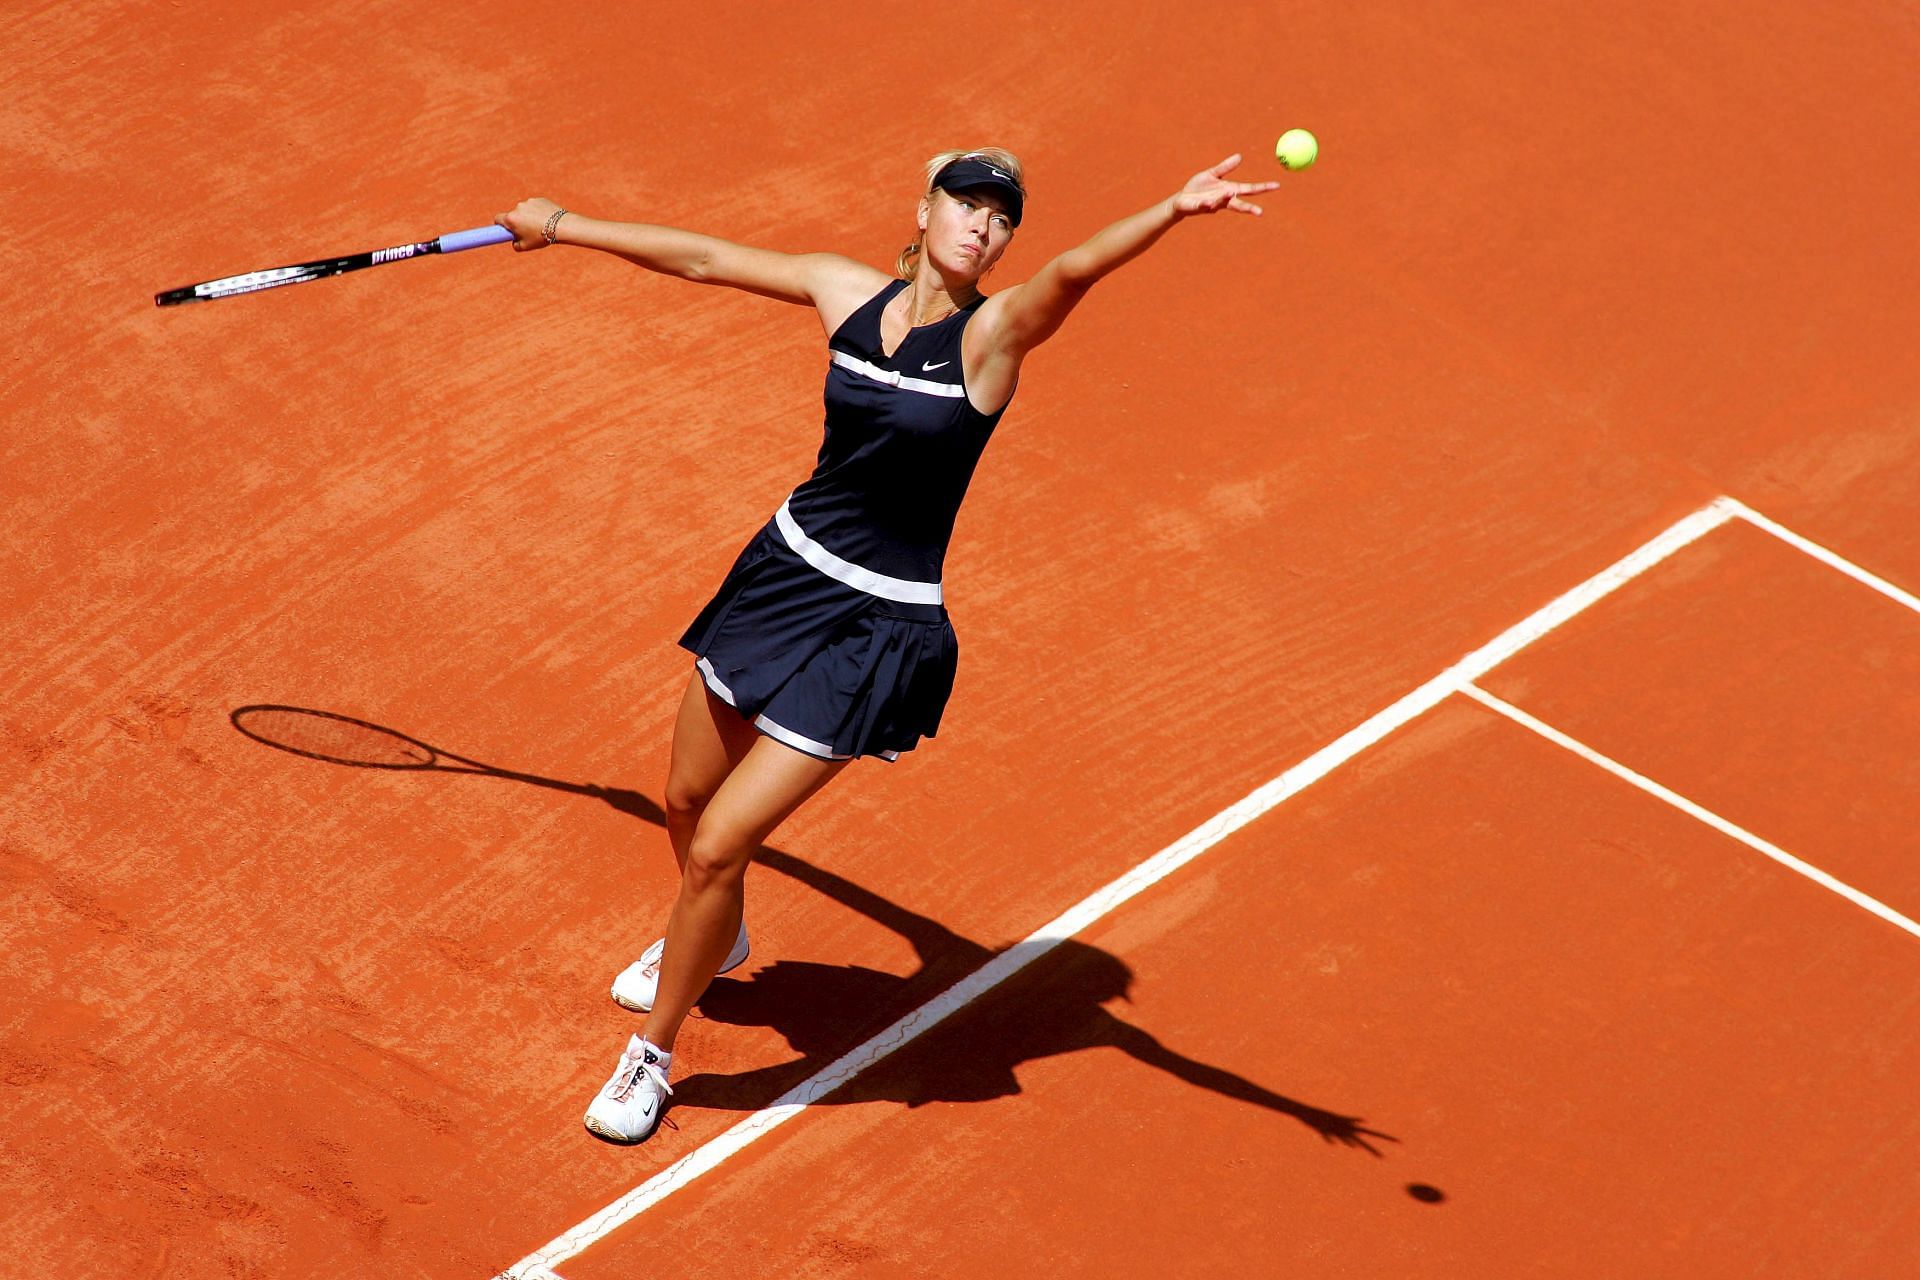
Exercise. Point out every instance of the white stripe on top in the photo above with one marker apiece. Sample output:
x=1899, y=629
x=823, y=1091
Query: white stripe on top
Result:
x=854, y=364
x=874, y=584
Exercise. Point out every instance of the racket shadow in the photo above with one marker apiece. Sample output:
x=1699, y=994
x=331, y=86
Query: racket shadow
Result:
x=332, y=738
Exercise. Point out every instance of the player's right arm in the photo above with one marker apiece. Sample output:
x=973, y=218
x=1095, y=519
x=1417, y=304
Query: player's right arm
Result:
x=834, y=285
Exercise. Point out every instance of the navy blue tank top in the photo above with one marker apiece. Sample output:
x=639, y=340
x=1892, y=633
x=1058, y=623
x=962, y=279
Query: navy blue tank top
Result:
x=902, y=441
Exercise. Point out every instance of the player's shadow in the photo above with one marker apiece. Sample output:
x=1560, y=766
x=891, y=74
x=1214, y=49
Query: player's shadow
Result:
x=1055, y=1004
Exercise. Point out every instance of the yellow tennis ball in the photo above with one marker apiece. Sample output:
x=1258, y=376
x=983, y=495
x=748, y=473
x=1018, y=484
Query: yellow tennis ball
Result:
x=1296, y=149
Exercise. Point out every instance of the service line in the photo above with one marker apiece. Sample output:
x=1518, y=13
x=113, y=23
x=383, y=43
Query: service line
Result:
x=1687, y=806
x=540, y=1264
x=1831, y=559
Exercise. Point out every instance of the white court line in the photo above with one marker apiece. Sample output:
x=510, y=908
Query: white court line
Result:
x=540, y=1264
x=1687, y=806
x=1829, y=558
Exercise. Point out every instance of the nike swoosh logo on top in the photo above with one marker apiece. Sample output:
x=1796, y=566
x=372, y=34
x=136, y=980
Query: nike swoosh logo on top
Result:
x=929, y=368
x=996, y=173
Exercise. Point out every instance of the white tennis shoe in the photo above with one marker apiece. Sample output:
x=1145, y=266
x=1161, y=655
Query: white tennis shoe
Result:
x=639, y=982
x=629, y=1106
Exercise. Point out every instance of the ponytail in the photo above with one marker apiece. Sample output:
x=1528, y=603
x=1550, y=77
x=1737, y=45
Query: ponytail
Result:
x=908, y=263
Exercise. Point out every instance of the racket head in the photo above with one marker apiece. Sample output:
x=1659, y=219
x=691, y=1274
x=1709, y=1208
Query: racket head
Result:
x=337, y=739
x=250, y=282
x=301, y=272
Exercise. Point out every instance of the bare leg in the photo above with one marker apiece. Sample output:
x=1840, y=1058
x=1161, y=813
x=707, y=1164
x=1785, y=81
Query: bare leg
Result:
x=767, y=786
x=710, y=739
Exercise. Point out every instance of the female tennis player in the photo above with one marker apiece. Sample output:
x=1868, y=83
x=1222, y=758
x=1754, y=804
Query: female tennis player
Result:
x=827, y=640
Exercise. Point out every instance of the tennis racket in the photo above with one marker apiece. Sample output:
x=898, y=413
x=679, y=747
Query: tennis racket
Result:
x=338, y=739
x=300, y=273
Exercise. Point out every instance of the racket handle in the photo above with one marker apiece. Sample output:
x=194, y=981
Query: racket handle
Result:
x=455, y=241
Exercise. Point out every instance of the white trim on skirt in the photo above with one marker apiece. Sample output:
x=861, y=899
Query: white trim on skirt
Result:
x=773, y=728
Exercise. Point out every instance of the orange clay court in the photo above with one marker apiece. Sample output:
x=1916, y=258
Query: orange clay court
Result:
x=1430, y=790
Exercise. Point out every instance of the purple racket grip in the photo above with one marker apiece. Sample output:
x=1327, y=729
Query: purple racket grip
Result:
x=455, y=241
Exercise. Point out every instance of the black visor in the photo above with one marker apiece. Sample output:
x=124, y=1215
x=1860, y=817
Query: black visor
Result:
x=970, y=172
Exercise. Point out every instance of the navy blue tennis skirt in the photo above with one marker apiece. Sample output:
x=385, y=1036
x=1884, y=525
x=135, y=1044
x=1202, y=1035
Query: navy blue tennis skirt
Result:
x=821, y=666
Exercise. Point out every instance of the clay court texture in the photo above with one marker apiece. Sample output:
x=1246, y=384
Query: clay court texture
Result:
x=1430, y=790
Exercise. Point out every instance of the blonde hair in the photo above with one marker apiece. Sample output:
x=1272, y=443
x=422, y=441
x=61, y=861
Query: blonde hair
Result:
x=909, y=261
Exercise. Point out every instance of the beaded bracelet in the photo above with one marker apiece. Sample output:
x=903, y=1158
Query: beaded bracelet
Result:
x=553, y=221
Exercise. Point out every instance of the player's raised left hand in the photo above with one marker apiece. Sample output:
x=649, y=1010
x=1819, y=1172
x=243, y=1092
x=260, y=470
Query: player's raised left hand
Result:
x=1209, y=191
